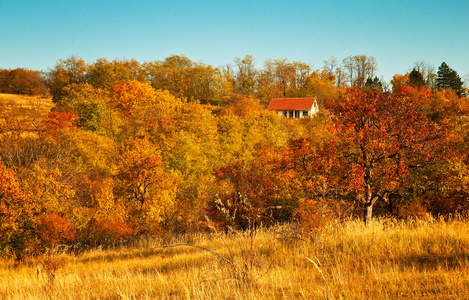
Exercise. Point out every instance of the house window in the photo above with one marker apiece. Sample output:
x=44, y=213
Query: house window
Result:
x=297, y=114
x=291, y=114
x=305, y=113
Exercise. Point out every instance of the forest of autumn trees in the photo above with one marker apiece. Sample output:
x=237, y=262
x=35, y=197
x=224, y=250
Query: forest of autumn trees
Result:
x=174, y=146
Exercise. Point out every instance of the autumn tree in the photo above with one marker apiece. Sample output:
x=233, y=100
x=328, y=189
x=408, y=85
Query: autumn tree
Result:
x=358, y=68
x=185, y=78
x=428, y=72
x=16, y=216
x=141, y=182
x=398, y=81
x=58, y=120
x=140, y=169
x=49, y=220
x=282, y=78
x=382, y=138
x=446, y=187
x=312, y=157
x=65, y=72
x=205, y=84
x=313, y=168
x=22, y=81
x=267, y=86
x=172, y=74
x=243, y=198
x=309, y=172
x=103, y=74
x=321, y=86
x=141, y=106
x=244, y=75
x=59, y=216
x=245, y=126
x=331, y=64
x=222, y=86
x=285, y=74
x=90, y=104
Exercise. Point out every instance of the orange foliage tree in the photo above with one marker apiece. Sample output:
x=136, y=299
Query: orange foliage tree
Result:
x=22, y=81
x=57, y=120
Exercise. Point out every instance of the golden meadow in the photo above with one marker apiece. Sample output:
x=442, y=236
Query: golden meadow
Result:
x=384, y=260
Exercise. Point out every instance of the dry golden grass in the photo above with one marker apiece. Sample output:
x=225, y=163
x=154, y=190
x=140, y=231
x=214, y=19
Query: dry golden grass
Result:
x=386, y=260
x=21, y=113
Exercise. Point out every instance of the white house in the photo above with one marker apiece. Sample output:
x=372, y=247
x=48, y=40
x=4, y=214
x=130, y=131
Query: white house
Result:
x=294, y=107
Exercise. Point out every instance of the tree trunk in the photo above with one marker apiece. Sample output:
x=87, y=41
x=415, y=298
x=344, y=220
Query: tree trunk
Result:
x=368, y=209
x=368, y=212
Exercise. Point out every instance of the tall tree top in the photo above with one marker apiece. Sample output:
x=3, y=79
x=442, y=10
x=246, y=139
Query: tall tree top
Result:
x=449, y=78
x=416, y=78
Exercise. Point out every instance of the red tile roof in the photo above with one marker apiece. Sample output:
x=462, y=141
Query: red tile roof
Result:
x=291, y=103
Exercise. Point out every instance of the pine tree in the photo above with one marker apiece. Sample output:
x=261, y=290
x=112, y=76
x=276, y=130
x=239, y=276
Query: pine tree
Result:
x=449, y=78
x=374, y=83
x=416, y=78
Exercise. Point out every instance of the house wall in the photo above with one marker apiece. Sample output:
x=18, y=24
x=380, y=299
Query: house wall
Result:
x=314, y=109
x=286, y=113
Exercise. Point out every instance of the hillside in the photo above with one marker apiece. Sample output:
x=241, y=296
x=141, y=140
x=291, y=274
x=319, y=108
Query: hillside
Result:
x=21, y=113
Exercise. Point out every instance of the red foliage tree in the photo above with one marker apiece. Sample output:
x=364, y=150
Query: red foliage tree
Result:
x=53, y=229
x=243, y=199
x=382, y=137
x=314, y=168
x=57, y=120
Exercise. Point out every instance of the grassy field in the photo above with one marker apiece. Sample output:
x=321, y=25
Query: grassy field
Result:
x=385, y=260
x=21, y=113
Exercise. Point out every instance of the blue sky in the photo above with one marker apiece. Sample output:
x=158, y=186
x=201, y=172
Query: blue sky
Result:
x=35, y=34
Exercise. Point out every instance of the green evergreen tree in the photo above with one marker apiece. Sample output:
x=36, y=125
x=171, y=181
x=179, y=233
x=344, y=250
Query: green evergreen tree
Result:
x=449, y=78
x=416, y=78
x=374, y=83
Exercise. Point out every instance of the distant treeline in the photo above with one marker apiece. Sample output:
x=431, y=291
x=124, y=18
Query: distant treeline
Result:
x=22, y=82
x=191, y=80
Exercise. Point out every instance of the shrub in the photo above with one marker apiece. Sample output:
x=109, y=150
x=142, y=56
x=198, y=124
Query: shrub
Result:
x=317, y=214
x=55, y=230
x=105, y=233
x=411, y=211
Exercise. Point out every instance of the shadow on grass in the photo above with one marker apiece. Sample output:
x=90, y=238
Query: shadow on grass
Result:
x=126, y=254
x=424, y=262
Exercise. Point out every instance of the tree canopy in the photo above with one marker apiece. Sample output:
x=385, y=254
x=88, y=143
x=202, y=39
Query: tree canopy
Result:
x=173, y=146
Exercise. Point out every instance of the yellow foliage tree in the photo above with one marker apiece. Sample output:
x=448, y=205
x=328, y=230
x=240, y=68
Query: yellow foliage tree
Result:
x=142, y=183
x=141, y=106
